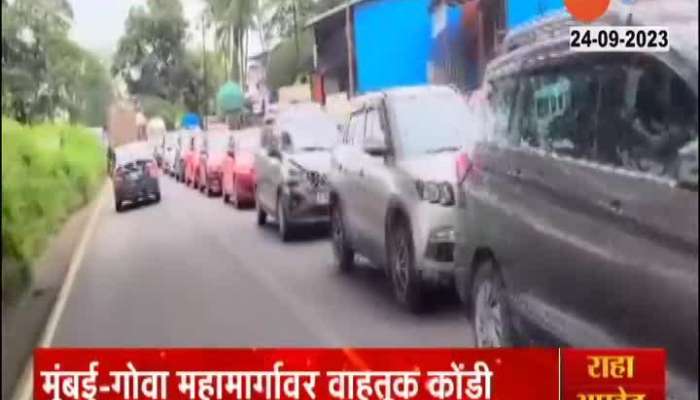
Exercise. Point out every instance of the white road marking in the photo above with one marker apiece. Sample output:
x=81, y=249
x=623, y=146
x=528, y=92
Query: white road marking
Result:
x=25, y=386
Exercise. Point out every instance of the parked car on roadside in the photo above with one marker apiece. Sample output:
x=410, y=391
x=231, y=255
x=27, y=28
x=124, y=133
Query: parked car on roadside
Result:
x=291, y=168
x=135, y=175
x=238, y=168
x=393, y=182
x=579, y=212
x=195, y=142
x=169, y=148
x=183, y=149
x=209, y=168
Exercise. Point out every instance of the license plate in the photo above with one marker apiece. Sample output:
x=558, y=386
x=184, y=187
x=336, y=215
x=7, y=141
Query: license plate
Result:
x=322, y=198
x=134, y=175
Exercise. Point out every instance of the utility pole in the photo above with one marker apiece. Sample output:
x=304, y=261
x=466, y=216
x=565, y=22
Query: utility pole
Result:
x=296, y=28
x=205, y=109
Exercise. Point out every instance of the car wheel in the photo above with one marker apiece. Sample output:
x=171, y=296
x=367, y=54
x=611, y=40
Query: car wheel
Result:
x=262, y=215
x=283, y=220
x=405, y=279
x=344, y=255
x=491, y=319
x=225, y=197
x=118, y=205
x=156, y=197
x=234, y=196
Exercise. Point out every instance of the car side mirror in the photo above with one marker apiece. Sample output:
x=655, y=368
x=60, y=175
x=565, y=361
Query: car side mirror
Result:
x=376, y=148
x=688, y=166
x=274, y=153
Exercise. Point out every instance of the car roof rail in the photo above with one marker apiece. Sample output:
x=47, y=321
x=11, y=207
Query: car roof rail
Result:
x=548, y=26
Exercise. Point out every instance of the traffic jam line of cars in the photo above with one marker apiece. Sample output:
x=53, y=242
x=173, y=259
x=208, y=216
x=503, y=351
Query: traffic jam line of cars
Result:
x=564, y=214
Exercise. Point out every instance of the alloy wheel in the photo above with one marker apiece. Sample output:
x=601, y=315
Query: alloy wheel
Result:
x=337, y=233
x=488, y=315
x=401, y=260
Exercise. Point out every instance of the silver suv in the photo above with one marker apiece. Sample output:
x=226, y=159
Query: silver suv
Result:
x=291, y=168
x=393, y=186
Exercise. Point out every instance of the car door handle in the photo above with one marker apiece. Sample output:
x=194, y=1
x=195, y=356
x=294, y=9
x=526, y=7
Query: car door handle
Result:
x=614, y=205
x=515, y=172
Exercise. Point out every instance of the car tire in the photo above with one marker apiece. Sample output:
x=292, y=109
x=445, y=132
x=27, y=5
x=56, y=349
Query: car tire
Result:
x=283, y=224
x=490, y=314
x=225, y=197
x=234, y=196
x=342, y=252
x=156, y=197
x=405, y=279
x=118, y=205
x=262, y=215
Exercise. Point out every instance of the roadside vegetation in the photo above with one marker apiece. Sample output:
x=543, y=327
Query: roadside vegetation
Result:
x=48, y=171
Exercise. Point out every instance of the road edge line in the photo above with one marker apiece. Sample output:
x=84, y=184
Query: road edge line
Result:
x=23, y=390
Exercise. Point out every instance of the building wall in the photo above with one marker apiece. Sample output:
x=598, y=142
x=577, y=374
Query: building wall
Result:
x=393, y=42
x=521, y=11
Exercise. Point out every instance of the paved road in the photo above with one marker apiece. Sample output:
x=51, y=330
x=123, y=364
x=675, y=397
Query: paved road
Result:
x=192, y=271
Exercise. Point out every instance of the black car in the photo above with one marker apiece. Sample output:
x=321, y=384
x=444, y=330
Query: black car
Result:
x=580, y=205
x=135, y=175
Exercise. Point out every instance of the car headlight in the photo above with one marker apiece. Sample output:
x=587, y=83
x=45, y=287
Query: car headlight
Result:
x=292, y=175
x=436, y=192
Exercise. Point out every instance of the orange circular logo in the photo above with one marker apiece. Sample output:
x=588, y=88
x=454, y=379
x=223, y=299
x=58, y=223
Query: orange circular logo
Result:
x=587, y=10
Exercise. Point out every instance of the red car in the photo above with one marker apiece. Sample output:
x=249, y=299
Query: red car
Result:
x=192, y=157
x=238, y=177
x=210, y=162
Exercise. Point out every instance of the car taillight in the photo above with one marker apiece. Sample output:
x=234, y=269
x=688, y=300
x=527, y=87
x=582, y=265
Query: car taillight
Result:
x=152, y=169
x=464, y=167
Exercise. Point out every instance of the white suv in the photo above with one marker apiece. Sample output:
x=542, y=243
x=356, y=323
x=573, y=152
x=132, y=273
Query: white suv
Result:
x=393, y=183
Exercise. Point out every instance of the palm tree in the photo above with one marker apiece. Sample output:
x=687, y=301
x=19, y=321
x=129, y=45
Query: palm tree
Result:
x=233, y=20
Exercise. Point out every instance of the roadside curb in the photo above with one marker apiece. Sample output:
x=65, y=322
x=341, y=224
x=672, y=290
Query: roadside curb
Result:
x=24, y=387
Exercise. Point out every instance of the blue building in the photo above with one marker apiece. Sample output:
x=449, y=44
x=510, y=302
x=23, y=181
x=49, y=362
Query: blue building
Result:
x=369, y=45
x=389, y=43
x=521, y=11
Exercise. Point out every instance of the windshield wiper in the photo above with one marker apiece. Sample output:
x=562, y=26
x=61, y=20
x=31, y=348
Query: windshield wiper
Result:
x=444, y=149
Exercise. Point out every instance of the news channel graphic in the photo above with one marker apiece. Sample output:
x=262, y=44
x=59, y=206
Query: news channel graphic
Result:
x=650, y=39
x=597, y=38
x=357, y=374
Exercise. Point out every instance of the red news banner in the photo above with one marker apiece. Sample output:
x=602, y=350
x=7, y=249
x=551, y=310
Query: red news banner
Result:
x=362, y=374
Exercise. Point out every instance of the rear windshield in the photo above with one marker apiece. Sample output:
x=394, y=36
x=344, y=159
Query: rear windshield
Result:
x=217, y=142
x=124, y=157
x=248, y=142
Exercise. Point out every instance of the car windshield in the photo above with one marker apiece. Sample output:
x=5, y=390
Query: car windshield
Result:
x=431, y=123
x=130, y=154
x=310, y=133
x=217, y=143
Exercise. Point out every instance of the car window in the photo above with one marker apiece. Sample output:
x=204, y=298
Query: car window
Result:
x=567, y=129
x=286, y=142
x=625, y=111
x=356, y=129
x=374, y=133
x=658, y=116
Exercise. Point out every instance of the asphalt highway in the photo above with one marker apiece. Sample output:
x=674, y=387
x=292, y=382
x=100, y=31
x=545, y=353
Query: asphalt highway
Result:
x=192, y=271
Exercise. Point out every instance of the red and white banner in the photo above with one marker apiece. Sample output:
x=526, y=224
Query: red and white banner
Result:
x=362, y=374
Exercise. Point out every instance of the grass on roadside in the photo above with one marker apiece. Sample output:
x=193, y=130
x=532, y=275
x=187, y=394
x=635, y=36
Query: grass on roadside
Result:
x=48, y=171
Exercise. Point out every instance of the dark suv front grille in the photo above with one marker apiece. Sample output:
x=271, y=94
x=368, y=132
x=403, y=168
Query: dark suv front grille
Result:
x=316, y=179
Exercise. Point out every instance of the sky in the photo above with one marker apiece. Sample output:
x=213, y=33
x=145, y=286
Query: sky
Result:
x=98, y=24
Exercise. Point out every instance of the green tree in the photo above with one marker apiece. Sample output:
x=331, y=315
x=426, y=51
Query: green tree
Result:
x=151, y=55
x=44, y=73
x=233, y=20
